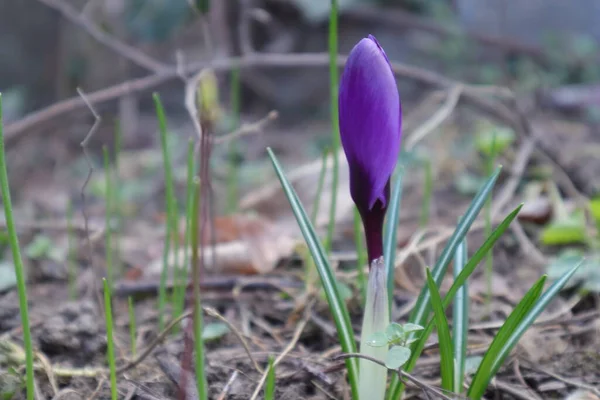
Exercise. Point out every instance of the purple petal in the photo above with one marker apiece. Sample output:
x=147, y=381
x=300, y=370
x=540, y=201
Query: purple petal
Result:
x=370, y=122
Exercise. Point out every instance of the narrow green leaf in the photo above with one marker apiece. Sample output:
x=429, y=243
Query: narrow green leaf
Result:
x=172, y=231
x=201, y=383
x=391, y=232
x=181, y=274
x=336, y=304
x=116, y=201
x=526, y=322
x=107, y=217
x=270, y=382
x=417, y=347
x=109, y=341
x=421, y=310
x=233, y=163
x=484, y=372
x=335, y=124
x=445, y=342
x=18, y=262
x=460, y=319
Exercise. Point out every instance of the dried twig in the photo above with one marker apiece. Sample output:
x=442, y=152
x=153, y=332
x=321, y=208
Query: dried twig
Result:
x=247, y=129
x=237, y=333
x=155, y=342
x=228, y=385
x=88, y=159
x=568, y=381
x=436, y=119
x=471, y=94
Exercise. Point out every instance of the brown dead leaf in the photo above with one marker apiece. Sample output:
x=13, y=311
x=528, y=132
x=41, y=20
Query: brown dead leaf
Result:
x=540, y=347
x=537, y=211
x=244, y=244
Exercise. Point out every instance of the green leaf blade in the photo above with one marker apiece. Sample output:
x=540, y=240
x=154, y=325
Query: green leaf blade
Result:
x=417, y=347
x=336, y=305
x=391, y=232
x=460, y=319
x=484, y=372
x=445, y=341
x=527, y=321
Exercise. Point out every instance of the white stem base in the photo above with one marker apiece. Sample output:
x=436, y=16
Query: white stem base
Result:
x=372, y=378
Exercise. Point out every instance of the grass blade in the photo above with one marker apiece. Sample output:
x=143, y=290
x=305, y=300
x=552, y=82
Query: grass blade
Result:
x=116, y=200
x=270, y=383
x=526, y=322
x=418, y=346
x=391, y=232
x=232, y=168
x=460, y=319
x=109, y=341
x=170, y=200
x=18, y=262
x=484, y=372
x=108, y=238
x=335, y=124
x=201, y=382
x=336, y=304
x=162, y=287
x=182, y=273
x=445, y=342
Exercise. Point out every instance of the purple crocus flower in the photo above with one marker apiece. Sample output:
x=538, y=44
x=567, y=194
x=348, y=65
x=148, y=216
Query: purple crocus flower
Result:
x=370, y=119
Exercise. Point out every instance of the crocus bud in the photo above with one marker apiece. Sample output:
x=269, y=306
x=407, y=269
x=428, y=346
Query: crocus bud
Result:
x=370, y=124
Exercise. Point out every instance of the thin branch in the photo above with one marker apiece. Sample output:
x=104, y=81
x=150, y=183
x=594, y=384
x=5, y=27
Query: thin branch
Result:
x=154, y=343
x=436, y=119
x=247, y=129
x=472, y=94
x=88, y=159
x=119, y=47
x=237, y=333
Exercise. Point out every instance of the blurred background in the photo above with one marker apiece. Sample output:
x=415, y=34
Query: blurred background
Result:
x=525, y=45
x=545, y=50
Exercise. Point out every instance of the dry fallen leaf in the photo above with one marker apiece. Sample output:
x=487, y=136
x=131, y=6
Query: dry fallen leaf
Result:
x=540, y=347
x=244, y=244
